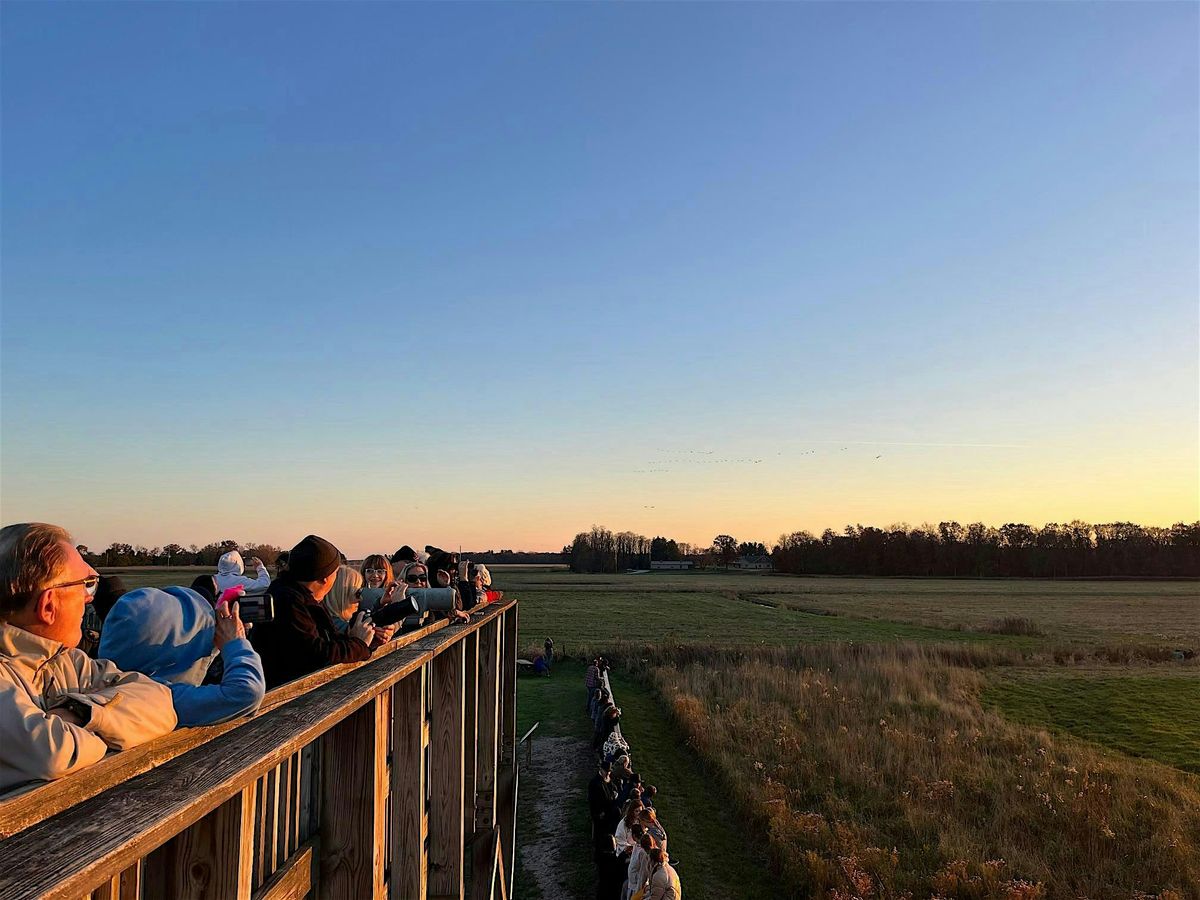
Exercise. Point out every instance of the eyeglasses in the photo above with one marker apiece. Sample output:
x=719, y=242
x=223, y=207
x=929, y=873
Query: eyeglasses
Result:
x=417, y=579
x=374, y=571
x=89, y=584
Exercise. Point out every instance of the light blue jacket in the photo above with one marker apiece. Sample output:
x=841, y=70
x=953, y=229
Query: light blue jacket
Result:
x=168, y=634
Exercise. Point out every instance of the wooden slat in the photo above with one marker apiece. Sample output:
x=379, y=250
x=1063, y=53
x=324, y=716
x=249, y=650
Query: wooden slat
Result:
x=111, y=831
x=353, y=790
x=506, y=775
x=309, y=797
x=293, y=880
x=110, y=890
x=446, y=877
x=487, y=728
x=470, y=701
x=408, y=788
x=131, y=882
x=260, y=832
x=20, y=811
x=282, y=850
x=211, y=859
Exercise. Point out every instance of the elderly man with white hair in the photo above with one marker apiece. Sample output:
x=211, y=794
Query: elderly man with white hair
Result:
x=59, y=710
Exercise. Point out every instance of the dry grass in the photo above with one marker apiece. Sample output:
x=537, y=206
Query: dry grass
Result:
x=875, y=772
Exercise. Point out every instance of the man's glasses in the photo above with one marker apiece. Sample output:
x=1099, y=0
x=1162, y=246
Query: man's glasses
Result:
x=89, y=584
x=374, y=571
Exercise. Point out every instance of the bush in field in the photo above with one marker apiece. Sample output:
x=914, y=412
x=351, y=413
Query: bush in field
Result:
x=875, y=773
x=1017, y=625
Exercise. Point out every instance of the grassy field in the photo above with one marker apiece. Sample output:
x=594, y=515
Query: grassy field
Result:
x=585, y=611
x=1150, y=715
x=876, y=772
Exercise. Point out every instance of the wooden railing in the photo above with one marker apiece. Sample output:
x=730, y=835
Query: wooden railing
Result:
x=393, y=778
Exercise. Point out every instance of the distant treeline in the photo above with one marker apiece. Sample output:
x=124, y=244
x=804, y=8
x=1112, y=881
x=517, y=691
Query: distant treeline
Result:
x=515, y=557
x=175, y=554
x=1073, y=550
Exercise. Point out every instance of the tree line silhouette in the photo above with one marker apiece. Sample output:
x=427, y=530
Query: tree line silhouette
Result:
x=1071, y=550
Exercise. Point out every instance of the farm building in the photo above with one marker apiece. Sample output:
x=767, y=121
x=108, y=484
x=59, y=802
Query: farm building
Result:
x=671, y=564
x=754, y=562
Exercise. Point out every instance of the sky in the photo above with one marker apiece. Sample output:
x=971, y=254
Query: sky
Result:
x=487, y=275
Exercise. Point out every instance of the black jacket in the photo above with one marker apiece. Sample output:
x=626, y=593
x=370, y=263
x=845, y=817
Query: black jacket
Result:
x=301, y=638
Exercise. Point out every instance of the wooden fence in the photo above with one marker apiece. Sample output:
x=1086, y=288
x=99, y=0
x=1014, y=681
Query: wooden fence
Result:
x=394, y=778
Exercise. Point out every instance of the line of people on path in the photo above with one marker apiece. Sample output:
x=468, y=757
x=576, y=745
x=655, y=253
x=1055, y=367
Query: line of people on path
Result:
x=629, y=843
x=160, y=658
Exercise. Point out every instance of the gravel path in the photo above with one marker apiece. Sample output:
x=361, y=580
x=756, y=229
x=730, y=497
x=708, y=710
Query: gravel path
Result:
x=558, y=765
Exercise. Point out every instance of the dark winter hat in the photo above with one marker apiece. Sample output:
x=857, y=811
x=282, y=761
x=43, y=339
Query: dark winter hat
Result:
x=313, y=558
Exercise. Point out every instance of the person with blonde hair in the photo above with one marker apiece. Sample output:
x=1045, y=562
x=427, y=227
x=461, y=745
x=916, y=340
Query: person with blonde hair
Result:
x=343, y=598
x=664, y=882
x=377, y=574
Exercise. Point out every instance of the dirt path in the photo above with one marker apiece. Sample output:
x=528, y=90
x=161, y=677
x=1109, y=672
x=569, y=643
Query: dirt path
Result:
x=559, y=770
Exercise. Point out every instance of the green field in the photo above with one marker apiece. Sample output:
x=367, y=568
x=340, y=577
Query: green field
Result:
x=1155, y=716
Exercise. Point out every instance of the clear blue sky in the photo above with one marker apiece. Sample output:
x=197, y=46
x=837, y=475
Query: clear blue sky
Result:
x=476, y=273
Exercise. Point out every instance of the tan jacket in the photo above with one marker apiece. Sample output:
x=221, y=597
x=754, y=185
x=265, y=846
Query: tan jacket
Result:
x=36, y=676
x=664, y=884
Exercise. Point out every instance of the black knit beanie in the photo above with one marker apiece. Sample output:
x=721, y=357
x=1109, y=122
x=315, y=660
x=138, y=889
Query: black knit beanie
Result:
x=313, y=558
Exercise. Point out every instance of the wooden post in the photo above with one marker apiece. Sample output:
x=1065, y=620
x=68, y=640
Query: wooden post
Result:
x=507, y=775
x=470, y=699
x=508, y=690
x=211, y=859
x=446, y=775
x=408, y=788
x=353, y=800
x=487, y=731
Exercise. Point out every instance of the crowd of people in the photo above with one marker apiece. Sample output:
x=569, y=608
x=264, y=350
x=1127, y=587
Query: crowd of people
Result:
x=88, y=667
x=629, y=843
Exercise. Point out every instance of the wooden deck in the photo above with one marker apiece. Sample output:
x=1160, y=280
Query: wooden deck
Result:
x=393, y=778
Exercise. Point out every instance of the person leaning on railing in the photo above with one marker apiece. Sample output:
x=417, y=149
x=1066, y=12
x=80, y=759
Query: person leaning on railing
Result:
x=170, y=634
x=59, y=710
x=302, y=638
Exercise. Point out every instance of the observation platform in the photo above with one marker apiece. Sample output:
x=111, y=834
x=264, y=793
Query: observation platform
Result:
x=393, y=778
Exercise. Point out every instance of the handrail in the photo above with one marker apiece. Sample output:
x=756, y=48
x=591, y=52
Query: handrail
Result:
x=40, y=801
x=76, y=846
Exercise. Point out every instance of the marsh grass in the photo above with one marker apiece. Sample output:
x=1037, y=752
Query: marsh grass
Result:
x=875, y=771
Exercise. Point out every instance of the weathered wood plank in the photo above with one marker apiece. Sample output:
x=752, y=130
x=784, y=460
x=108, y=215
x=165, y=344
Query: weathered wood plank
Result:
x=210, y=860
x=470, y=702
x=487, y=728
x=131, y=882
x=19, y=811
x=111, y=831
x=506, y=775
x=408, y=787
x=446, y=877
x=353, y=795
x=110, y=890
x=293, y=880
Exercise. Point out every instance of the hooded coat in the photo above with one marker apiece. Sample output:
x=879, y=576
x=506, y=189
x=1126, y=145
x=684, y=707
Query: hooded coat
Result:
x=230, y=569
x=38, y=675
x=168, y=635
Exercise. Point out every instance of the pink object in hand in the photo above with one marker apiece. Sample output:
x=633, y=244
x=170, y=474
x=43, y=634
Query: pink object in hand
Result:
x=230, y=594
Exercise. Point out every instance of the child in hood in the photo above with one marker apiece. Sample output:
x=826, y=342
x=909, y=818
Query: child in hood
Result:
x=229, y=573
x=173, y=635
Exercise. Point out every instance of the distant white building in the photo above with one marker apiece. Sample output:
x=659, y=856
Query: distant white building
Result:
x=762, y=563
x=671, y=564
